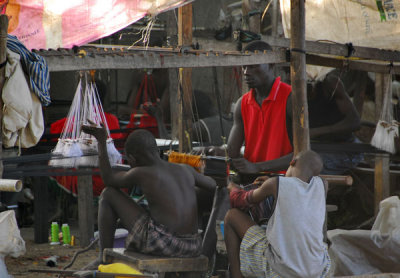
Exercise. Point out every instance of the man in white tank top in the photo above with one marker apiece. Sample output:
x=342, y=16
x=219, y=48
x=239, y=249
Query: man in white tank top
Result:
x=292, y=245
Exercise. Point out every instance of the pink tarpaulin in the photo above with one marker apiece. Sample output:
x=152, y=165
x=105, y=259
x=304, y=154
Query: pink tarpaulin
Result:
x=43, y=24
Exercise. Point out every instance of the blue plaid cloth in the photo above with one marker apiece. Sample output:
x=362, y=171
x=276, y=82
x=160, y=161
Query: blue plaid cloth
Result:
x=35, y=67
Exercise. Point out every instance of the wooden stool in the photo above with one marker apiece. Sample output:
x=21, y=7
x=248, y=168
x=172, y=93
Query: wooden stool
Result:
x=190, y=267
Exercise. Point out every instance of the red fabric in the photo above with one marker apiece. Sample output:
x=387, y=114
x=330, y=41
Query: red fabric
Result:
x=144, y=121
x=112, y=122
x=265, y=130
x=239, y=198
x=70, y=182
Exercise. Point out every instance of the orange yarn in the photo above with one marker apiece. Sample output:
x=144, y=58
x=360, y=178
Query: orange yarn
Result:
x=193, y=160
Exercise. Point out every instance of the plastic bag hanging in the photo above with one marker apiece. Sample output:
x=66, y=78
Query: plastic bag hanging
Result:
x=75, y=147
x=67, y=145
x=387, y=127
x=93, y=111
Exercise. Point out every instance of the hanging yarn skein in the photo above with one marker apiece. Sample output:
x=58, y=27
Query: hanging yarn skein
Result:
x=93, y=111
x=67, y=145
x=77, y=148
x=387, y=127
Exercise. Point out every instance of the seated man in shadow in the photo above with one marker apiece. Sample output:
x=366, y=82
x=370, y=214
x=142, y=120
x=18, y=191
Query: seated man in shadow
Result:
x=170, y=227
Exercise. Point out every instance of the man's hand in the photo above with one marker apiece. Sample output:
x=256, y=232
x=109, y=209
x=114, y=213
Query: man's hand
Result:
x=244, y=166
x=99, y=132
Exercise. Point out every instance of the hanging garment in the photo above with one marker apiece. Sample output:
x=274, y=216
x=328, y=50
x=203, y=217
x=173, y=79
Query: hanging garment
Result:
x=146, y=95
x=35, y=66
x=23, y=123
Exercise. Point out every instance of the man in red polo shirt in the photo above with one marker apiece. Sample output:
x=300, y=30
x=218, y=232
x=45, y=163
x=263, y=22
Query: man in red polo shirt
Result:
x=262, y=121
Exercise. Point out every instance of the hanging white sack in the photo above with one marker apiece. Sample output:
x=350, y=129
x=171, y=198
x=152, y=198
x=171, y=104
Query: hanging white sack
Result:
x=11, y=242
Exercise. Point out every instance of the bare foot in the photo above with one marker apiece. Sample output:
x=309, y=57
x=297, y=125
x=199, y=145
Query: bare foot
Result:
x=94, y=265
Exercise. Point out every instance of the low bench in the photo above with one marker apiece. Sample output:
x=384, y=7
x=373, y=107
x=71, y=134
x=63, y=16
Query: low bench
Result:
x=186, y=267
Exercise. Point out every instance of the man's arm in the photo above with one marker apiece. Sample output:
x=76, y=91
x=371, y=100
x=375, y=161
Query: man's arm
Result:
x=351, y=120
x=268, y=188
x=242, y=199
x=202, y=181
x=236, y=136
x=110, y=177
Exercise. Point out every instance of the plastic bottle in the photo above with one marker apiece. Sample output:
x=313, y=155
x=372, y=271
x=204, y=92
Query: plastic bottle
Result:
x=54, y=233
x=66, y=234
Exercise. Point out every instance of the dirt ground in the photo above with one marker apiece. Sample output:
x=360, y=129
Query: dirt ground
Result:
x=36, y=254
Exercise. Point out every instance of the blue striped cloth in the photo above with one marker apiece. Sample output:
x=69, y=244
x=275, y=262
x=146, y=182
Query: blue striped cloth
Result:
x=35, y=67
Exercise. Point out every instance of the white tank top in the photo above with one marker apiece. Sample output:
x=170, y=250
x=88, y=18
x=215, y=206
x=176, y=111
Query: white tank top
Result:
x=295, y=230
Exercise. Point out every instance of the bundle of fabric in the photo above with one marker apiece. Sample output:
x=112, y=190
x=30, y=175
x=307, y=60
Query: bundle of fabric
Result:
x=76, y=148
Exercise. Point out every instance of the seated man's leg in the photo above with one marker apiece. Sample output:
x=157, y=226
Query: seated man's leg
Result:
x=236, y=224
x=114, y=204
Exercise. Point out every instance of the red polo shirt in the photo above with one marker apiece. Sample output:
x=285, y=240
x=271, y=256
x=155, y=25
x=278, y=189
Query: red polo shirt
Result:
x=265, y=130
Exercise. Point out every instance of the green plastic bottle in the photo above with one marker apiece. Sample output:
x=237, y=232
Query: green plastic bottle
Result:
x=66, y=234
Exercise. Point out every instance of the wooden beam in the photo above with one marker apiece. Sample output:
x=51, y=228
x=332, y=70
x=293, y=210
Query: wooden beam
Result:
x=185, y=81
x=351, y=64
x=151, y=60
x=301, y=138
x=338, y=49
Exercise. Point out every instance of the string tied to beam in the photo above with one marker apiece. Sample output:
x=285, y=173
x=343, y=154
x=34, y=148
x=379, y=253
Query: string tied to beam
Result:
x=350, y=49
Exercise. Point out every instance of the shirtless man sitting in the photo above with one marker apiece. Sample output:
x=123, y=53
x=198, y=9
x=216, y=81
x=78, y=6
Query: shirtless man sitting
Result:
x=169, y=228
x=292, y=244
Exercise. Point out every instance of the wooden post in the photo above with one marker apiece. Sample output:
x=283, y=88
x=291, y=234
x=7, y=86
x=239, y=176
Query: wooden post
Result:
x=3, y=57
x=301, y=138
x=382, y=173
x=185, y=81
x=275, y=16
x=382, y=179
x=172, y=31
x=41, y=207
x=85, y=210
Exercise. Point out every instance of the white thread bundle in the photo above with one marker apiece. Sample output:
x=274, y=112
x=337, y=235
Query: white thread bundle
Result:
x=78, y=148
x=387, y=128
x=67, y=145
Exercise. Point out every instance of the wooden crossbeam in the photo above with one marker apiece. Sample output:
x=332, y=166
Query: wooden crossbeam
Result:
x=154, y=59
x=338, y=49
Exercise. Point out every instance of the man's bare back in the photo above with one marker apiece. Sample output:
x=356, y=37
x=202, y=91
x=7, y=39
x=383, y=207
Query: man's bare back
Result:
x=171, y=195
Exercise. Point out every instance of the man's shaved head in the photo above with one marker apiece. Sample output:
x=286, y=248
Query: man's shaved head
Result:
x=309, y=160
x=140, y=141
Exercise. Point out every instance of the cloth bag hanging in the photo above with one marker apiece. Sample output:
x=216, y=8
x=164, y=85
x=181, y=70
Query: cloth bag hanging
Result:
x=146, y=96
